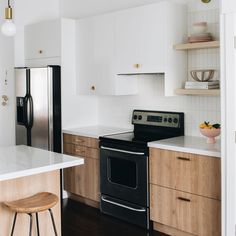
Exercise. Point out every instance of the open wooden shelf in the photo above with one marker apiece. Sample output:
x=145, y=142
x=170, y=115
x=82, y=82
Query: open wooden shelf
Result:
x=191, y=46
x=198, y=92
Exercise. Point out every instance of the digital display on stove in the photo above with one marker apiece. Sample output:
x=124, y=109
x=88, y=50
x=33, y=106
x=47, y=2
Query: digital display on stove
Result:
x=157, y=119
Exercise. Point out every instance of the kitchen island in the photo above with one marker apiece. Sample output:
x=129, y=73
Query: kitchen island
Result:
x=25, y=171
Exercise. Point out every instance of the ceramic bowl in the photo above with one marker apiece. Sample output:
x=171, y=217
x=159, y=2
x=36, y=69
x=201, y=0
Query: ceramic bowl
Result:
x=211, y=134
x=199, y=28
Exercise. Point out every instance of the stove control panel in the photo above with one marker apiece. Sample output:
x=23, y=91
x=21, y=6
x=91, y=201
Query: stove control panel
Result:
x=155, y=118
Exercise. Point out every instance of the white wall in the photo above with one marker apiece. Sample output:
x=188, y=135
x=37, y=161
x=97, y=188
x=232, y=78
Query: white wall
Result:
x=116, y=111
x=7, y=119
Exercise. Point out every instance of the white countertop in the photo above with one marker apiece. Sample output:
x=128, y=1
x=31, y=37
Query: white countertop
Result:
x=21, y=161
x=195, y=145
x=95, y=131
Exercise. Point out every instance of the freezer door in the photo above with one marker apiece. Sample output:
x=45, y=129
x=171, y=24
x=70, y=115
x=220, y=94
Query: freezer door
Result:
x=41, y=92
x=21, y=89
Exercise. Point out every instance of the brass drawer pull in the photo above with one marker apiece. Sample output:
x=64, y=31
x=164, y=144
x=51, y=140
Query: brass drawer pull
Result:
x=184, y=199
x=183, y=158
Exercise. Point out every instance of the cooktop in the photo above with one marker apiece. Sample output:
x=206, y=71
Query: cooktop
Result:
x=150, y=126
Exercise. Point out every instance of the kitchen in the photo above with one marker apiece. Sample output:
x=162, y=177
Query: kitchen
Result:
x=105, y=108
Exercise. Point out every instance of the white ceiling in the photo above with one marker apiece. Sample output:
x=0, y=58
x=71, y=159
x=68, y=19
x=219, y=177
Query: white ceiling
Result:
x=82, y=8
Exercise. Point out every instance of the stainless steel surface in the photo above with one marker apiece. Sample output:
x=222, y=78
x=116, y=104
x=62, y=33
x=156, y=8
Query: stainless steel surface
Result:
x=20, y=75
x=123, y=151
x=142, y=119
x=39, y=93
x=124, y=206
x=50, y=108
x=20, y=90
x=21, y=135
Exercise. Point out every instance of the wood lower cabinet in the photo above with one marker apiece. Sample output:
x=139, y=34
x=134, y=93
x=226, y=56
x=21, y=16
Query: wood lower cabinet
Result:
x=185, y=193
x=83, y=181
x=187, y=212
x=186, y=172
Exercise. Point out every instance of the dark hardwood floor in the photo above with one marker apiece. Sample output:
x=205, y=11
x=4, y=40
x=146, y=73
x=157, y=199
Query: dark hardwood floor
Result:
x=81, y=220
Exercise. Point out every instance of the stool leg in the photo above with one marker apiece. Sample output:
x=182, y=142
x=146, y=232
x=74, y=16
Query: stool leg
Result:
x=30, y=229
x=37, y=221
x=14, y=223
x=53, y=222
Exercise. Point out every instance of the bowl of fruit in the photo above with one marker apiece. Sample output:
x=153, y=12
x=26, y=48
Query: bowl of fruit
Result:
x=211, y=131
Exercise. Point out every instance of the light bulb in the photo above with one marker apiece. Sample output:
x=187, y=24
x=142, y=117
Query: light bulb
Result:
x=8, y=28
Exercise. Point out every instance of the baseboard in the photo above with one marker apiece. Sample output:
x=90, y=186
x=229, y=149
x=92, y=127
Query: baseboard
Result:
x=169, y=230
x=86, y=201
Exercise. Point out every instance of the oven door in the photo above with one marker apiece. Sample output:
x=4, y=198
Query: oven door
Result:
x=124, y=175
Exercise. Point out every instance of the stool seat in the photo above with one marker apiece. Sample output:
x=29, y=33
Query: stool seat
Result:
x=36, y=203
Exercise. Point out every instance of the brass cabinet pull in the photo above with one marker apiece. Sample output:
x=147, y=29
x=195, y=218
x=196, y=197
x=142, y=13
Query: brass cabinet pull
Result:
x=137, y=66
x=184, y=199
x=183, y=158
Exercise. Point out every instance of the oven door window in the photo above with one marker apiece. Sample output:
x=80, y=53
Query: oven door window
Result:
x=122, y=172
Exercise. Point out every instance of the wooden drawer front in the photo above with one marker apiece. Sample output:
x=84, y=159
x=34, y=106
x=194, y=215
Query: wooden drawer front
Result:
x=186, y=172
x=81, y=140
x=186, y=212
x=83, y=180
x=77, y=150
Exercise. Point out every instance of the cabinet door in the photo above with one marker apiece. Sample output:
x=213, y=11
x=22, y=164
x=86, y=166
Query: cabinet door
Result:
x=43, y=40
x=83, y=180
x=140, y=40
x=186, y=172
x=95, y=55
x=190, y=213
x=228, y=6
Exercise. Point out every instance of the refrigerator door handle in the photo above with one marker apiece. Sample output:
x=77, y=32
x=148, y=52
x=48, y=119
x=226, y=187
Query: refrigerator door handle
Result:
x=29, y=111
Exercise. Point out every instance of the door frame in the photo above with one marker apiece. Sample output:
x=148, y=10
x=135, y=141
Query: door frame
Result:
x=228, y=117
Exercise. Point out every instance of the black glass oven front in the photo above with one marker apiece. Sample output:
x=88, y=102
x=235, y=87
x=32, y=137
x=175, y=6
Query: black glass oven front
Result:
x=124, y=175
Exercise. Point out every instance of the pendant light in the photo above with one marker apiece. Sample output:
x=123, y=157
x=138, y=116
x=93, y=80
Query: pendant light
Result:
x=8, y=28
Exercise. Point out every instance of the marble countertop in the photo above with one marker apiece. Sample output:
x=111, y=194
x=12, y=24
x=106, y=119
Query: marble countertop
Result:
x=189, y=144
x=21, y=161
x=95, y=131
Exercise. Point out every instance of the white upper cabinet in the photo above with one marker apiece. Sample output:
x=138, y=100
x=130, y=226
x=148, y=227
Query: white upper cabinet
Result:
x=113, y=48
x=95, y=55
x=43, y=40
x=50, y=43
x=140, y=40
x=228, y=6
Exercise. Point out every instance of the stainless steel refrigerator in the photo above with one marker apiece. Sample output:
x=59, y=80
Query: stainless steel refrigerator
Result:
x=38, y=107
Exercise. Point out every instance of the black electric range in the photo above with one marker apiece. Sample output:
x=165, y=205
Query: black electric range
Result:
x=124, y=164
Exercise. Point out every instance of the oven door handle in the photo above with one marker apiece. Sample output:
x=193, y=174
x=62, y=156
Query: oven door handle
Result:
x=123, y=151
x=124, y=206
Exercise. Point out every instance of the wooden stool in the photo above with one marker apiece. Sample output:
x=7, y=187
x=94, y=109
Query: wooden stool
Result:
x=34, y=204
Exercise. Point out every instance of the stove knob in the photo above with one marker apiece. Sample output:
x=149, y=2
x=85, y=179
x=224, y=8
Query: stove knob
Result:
x=140, y=117
x=135, y=117
x=170, y=120
x=165, y=120
x=175, y=120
